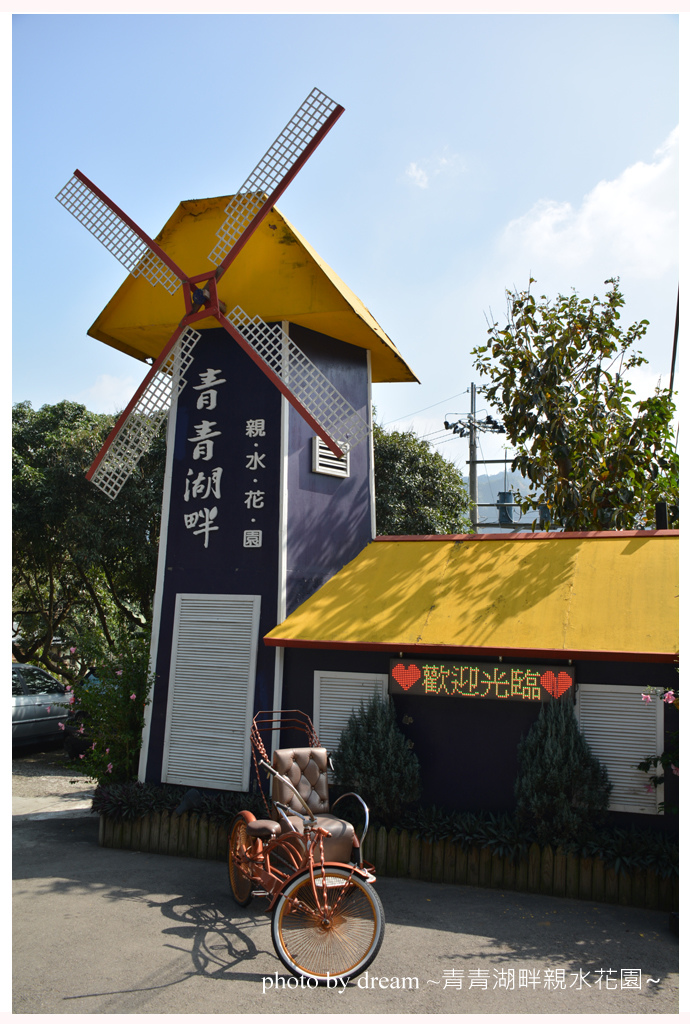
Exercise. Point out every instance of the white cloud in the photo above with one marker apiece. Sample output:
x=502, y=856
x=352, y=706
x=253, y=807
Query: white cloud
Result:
x=109, y=394
x=421, y=173
x=417, y=176
x=629, y=224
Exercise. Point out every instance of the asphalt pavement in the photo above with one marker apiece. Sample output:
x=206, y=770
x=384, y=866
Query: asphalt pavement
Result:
x=110, y=931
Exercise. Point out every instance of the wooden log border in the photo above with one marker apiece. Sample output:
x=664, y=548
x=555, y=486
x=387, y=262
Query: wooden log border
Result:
x=398, y=854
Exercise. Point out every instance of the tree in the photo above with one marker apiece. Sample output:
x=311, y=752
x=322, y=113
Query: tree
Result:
x=375, y=760
x=81, y=563
x=417, y=490
x=558, y=377
x=562, y=790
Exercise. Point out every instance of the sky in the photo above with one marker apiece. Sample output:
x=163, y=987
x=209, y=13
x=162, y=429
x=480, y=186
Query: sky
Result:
x=475, y=151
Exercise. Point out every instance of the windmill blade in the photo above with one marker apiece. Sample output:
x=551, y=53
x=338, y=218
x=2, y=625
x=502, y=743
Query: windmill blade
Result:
x=329, y=414
x=139, y=254
x=274, y=172
x=138, y=426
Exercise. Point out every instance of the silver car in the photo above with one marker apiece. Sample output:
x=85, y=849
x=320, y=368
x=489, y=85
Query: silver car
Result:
x=39, y=705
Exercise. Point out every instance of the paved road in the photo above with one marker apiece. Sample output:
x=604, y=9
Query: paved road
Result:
x=109, y=931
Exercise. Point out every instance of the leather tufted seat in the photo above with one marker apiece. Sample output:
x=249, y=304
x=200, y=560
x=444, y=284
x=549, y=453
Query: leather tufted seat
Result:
x=263, y=828
x=307, y=770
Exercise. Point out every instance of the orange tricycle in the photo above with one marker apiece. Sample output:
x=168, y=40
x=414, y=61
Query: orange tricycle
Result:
x=328, y=921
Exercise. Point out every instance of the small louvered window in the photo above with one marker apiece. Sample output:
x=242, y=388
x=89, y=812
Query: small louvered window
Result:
x=324, y=461
x=623, y=730
x=336, y=696
x=211, y=692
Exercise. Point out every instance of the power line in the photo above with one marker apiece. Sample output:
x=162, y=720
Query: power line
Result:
x=443, y=401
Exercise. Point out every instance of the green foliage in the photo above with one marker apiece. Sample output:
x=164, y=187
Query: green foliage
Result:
x=417, y=490
x=127, y=801
x=669, y=760
x=562, y=791
x=375, y=760
x=621, y=849
x=558, y=377
x=81, y=562
x=110, y=708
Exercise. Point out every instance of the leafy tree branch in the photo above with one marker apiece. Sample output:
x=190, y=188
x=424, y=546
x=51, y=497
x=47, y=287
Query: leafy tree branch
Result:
x=558, y=375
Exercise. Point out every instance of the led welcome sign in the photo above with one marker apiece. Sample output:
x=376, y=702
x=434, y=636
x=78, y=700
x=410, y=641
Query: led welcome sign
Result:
x=481, y=680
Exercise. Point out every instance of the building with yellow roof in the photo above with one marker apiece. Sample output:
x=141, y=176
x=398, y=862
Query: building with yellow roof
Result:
x=469, y=635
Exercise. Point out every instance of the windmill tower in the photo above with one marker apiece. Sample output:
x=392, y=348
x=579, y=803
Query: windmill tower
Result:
x=269, y=472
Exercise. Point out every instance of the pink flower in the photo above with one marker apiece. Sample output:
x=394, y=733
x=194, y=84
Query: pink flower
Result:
x=73, y=650
x=133, y=697
x=669, y=697
x=48, y=709
x=72, y=698
x=646, y=697
x=107, y=750
x=93, y=745
x=674, y=769
x=81, y=729
x=68, y=687
x=109, y=768
x=81, y=756
x=119, y=672
x=61, y=725
x=649, y=787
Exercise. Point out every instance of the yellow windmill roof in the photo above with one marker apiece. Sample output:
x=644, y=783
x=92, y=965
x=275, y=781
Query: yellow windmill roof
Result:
x=596, y=596
x=277, y=276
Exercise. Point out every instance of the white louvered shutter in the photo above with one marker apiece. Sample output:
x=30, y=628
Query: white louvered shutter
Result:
x=211, y=693
x=336, y=696
x=623, y=730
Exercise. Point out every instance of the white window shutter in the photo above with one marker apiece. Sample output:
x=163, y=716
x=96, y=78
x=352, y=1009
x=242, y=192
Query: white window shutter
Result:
x=324, y=461
x=336, y=696
x=623, y=730
x=211, y=692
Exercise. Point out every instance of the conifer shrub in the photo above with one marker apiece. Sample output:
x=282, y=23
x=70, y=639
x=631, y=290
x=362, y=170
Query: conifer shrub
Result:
x=374, y=759
x=562, y=790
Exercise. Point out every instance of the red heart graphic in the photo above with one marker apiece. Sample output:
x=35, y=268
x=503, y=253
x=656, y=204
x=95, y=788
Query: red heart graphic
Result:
x=556, y=686
x=406, y=676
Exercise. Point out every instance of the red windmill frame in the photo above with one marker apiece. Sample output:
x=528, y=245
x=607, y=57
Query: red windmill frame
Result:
x=319, y=403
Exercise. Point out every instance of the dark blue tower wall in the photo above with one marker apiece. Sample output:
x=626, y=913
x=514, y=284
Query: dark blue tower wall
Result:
x=220, y=563
x=329, y=519
x=311, y=524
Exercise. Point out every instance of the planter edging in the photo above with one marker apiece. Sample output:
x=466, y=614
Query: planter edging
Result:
x=544, y=870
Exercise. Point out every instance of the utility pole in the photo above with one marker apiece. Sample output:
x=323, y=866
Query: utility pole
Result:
x=469, y=426
x=472, y=427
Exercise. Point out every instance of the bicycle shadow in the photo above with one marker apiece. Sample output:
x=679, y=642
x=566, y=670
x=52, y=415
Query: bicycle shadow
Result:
x=219, y=945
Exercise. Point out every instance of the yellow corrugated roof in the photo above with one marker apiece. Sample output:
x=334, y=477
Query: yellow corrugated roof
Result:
x=598, y=595
x=277, y=276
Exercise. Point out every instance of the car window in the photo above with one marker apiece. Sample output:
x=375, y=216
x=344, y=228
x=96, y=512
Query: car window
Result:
x=37, y=681
x=17, y=688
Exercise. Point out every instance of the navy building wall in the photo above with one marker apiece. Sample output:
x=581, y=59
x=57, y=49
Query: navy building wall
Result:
x=329, y=519
x=224, y=565
x=468, y=750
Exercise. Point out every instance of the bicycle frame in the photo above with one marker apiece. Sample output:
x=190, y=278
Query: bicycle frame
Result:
x=272, y=864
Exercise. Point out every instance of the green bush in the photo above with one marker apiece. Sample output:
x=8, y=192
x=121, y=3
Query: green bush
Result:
x=110, y=707
x=562, y=790
x=375, y=760
x=127, y=801
x=620, y=848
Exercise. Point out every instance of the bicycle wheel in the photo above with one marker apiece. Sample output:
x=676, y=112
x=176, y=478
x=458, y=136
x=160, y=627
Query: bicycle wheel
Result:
x=338, y=941
x=241, y=884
